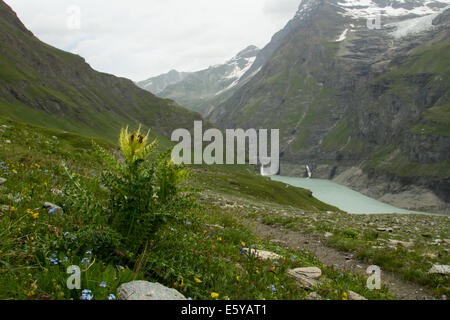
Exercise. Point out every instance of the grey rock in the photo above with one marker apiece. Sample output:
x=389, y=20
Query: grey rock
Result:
x=354, y=296
x=439, y=269
x=56, y=192
x=144, y=290
x=263, y=255
x=313, y=296
x=306, y=277
x=2, y=180
x=403, y=244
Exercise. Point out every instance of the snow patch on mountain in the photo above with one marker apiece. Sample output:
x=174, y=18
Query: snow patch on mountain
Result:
x=415, y=25
x=369, y=8
x=343, y=36
x=237, y=72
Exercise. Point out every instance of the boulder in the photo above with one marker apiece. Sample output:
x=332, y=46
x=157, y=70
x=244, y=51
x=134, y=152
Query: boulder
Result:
x=439, y=269
x=403, y=244
x=263, y=255
x=310, y=272
x=144, y=290
x=313, y=296
x=306, y=277
x=354, y=296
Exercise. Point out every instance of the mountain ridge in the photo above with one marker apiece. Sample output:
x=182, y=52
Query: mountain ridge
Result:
x=198, y=90
x=40, y=84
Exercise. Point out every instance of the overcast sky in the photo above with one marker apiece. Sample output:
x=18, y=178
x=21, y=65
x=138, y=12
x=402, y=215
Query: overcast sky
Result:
x=138, y=39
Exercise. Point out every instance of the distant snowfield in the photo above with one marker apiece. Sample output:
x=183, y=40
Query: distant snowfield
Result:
x=415, y=25
x=367, y=8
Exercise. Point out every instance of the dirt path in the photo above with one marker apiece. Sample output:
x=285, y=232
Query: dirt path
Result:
x=343, y=261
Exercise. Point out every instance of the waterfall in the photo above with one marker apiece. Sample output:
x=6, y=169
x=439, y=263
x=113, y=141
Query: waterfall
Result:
x=309, y=172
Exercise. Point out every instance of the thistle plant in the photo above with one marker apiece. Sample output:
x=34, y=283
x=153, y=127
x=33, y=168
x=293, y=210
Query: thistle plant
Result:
x=143, y=189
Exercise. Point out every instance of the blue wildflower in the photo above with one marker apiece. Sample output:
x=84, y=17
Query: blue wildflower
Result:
x=103, y=284
x=272, y=287
x=86, y=297
x=85, y=261
x=112, y=297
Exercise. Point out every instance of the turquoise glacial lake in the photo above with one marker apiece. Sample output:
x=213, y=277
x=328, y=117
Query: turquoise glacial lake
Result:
x=342, y=197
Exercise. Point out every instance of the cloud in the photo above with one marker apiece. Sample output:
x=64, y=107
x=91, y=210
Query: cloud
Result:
x=142, y=38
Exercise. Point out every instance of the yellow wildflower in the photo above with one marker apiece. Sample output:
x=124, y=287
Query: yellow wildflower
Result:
x=219, y=238
x=30, y=293
x=237, y=278
x=243, y=243
x=35, y=215
x=197, y=280
x=214, y=295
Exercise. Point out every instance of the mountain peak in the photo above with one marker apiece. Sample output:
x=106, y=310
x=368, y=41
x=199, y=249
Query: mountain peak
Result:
x=248, y=52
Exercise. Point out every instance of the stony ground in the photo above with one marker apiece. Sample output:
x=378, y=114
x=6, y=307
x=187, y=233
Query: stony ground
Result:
x=404, y=246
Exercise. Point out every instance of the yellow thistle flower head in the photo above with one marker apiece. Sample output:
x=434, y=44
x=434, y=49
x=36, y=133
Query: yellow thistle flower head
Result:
x=134, y=145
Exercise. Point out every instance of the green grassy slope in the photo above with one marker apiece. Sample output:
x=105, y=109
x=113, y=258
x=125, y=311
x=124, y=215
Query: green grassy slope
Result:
x=185, y=256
